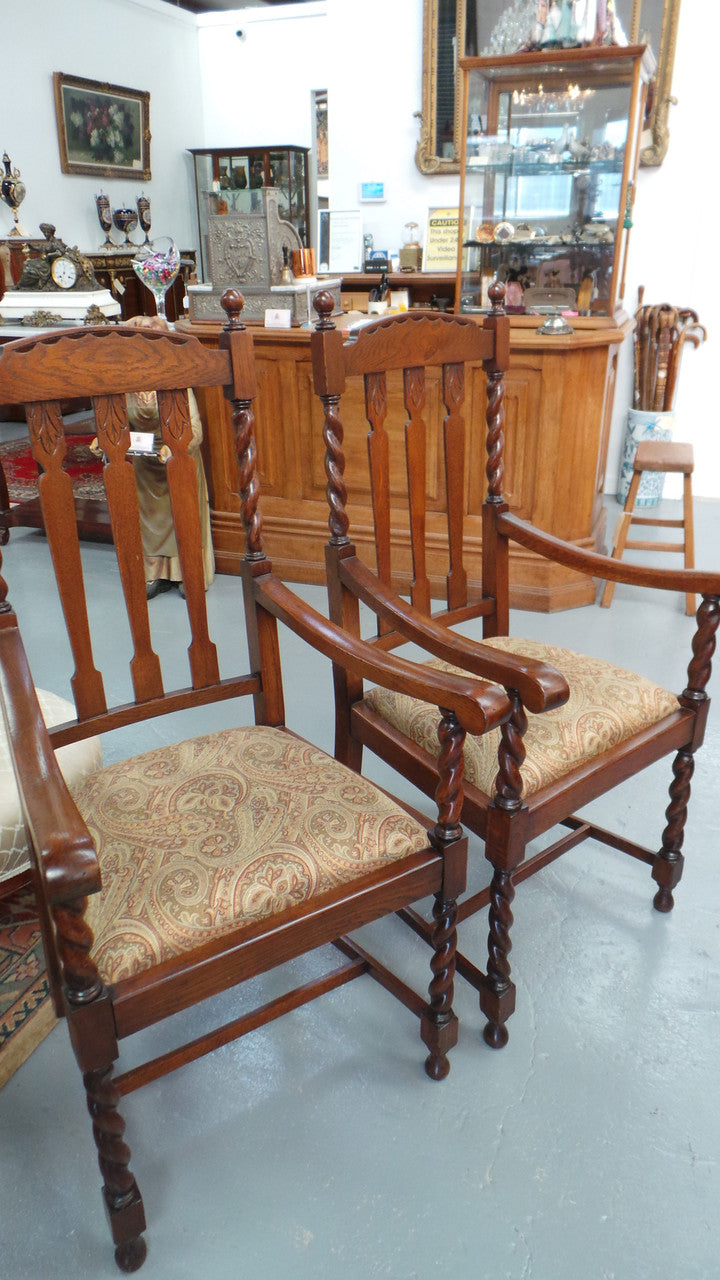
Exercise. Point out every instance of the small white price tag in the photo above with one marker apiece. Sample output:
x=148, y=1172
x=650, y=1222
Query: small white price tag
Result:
x=279, y=319
x=142, y=441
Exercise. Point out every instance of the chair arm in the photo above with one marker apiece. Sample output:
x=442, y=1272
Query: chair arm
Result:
x=540, y=686
x=597, y=566
x=67, y=856
x=478, y=706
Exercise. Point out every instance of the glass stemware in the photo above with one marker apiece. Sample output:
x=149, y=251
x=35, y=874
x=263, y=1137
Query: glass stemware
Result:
x=157, y=264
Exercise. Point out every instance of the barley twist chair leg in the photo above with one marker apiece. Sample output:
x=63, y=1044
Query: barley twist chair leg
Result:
x=439, y=1027
x=668, y=865
x=497, y=995
x=123, y=1202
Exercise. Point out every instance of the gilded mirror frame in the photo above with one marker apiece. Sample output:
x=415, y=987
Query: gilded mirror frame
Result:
x=426, y=157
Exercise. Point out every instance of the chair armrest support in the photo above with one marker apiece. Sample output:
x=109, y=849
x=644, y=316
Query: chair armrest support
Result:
x=540, y=686
x=597, y=566
x=68, y=860
x=478, y=706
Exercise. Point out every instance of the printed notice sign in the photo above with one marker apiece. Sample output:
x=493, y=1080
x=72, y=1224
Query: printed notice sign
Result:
x=441, y=240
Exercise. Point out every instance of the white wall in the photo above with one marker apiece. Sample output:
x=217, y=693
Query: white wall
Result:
x=671, y=250
x=209, y=88
x=256, y=90
x=146, y=45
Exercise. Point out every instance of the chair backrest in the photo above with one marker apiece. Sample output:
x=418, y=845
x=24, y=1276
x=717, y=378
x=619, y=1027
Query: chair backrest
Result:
x=423, y=378
x=102, y=365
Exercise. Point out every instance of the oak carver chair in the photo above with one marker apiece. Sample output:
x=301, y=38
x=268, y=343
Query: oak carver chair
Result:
x=579, y=726
x=176, y=874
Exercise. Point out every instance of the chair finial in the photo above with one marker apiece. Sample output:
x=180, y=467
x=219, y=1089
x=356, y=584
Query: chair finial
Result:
x=232, y=304
x=497, y=296
x=324, y=304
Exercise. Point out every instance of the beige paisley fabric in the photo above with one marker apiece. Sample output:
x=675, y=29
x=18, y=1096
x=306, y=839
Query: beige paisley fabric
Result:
x=607, y=705
x=222, y=830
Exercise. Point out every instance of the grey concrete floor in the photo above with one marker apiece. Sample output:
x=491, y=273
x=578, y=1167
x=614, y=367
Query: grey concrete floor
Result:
x=587, y=1149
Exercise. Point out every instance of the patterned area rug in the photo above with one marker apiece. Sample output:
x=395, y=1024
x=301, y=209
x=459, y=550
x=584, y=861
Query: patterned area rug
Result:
x=21, y=470
x=26, y=1012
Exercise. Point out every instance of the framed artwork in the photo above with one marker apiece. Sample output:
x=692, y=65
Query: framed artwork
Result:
x=103, y=129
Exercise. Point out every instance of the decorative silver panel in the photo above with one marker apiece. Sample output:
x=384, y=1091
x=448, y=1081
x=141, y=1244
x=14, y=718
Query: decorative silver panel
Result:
x=247, y=248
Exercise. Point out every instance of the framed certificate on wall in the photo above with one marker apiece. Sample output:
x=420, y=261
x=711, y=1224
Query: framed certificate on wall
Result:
x=340, y=243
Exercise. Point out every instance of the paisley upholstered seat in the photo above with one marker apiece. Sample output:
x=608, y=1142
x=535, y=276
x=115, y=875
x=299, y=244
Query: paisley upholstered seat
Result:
x=196, y=839
x=606, y=706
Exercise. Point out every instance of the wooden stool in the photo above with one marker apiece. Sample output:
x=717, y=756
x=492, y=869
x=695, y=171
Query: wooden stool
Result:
x=658, y=455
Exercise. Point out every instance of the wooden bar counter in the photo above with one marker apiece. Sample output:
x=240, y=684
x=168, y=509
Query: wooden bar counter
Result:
x=559, y=394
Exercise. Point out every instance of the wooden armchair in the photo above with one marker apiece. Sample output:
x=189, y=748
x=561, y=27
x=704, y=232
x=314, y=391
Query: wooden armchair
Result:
x=579, y=726
x=166, y=878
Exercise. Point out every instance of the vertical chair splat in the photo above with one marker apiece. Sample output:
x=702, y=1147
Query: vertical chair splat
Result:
x=47, y=438
x=416, y=453
x=454, y=445
x=376, y=407
x=174, y=413
x=113, y=433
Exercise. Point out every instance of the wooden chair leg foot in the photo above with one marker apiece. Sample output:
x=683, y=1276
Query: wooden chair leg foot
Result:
x=439, y=1042
x=496, y=1035
x=131, y=1255
x=440, y=1036
x=498, y=1005
x=663, y=900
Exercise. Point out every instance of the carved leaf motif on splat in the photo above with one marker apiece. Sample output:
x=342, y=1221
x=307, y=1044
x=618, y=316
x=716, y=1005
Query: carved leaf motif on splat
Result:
x=414, y=385
x=45, y=428
x=174, y=414
x=375, y=398
x=110, y=419
x=454, y=384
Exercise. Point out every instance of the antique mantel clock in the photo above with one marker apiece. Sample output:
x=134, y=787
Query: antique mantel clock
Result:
x=58, y=281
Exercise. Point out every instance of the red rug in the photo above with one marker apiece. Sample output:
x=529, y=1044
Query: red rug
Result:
x=26, y=1012
x=21, y=470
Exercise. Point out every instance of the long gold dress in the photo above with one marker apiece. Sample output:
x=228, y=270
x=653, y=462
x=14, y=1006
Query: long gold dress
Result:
x=158, y=533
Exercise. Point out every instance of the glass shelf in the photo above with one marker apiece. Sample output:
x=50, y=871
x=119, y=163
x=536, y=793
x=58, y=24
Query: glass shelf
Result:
x=550, y=152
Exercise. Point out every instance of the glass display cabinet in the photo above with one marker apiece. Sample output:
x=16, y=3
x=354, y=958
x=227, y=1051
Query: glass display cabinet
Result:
x=228, y=179
x=549, y=159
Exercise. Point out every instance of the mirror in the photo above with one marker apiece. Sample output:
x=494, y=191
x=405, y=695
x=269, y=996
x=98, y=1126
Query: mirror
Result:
x=452, y=28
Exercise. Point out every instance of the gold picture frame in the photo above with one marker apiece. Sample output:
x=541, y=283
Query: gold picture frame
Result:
x=103, y=129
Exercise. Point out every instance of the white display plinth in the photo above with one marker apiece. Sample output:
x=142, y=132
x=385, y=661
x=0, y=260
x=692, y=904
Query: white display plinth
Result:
x=72, y=305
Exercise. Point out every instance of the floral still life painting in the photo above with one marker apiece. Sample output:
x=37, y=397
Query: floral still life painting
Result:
x=103, y=129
